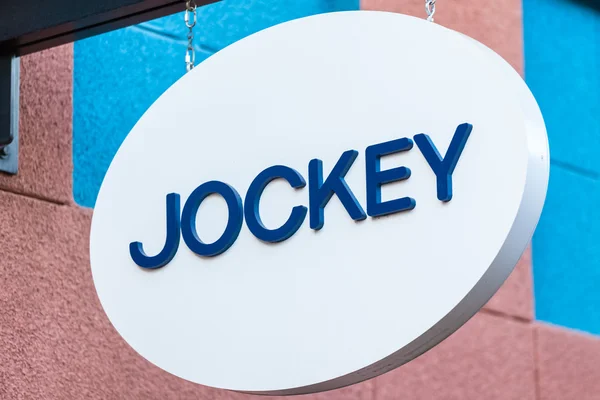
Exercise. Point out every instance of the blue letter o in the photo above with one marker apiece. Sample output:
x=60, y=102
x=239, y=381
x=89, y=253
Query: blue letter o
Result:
x=234, y=224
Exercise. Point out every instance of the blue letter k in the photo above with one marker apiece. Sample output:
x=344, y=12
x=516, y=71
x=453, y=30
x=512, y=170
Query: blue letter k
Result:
x=321, y=192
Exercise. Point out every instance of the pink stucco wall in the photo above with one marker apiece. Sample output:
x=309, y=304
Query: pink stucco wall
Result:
x=56, y=343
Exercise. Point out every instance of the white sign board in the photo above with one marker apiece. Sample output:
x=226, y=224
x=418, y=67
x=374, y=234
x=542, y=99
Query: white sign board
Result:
x=319, y=203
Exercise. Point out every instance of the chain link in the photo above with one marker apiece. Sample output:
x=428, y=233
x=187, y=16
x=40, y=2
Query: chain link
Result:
x=190, y=23
x=430, y=9
x=190, y=17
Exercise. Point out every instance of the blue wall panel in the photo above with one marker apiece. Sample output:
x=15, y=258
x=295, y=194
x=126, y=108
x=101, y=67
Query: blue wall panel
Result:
x=566, y=255
x=562, y=68
x=120, y=74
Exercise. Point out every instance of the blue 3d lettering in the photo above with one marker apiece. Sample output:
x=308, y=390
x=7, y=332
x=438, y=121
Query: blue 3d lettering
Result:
x=320, y=191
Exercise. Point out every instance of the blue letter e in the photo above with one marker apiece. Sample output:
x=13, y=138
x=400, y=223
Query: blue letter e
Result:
x=376, y=178
x=443, y=168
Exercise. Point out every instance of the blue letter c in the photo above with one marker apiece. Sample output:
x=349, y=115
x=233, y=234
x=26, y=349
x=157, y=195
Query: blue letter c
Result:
x=252, y=201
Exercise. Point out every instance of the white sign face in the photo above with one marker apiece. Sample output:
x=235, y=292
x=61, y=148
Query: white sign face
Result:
x=319, y=203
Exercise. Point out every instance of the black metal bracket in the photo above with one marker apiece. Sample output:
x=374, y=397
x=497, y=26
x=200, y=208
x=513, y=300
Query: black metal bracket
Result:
x=30, y=28
x=9, y=113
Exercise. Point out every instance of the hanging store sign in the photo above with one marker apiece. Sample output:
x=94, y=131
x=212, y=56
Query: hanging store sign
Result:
x=319, y=203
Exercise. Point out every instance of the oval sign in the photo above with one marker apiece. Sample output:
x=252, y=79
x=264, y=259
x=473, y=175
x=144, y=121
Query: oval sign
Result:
x=319, y=203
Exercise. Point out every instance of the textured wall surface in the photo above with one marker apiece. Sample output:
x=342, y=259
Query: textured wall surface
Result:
x=56, y=343
x=562, y=53
x=45, y=165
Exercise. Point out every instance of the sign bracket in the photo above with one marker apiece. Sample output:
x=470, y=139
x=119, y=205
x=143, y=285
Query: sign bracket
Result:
x=51, y=23
x=9, y=113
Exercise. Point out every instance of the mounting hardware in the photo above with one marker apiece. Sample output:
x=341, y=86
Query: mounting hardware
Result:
x=9, y=113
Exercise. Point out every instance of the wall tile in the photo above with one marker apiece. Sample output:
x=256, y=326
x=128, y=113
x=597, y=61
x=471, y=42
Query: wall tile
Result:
x=561, y=47
x=45, y=161
x=489, y=358
x=225, y=22
x=55, y=341
x=567, y=364
x=566, y=252
x=118, y=76
x=497, y=24
x=361, y=391
x=515, y=297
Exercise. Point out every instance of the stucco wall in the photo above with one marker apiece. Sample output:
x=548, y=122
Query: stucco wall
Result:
x=56, y=343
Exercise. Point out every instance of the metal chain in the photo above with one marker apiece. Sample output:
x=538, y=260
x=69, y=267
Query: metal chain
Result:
x=190, y=19
x=430, y=9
